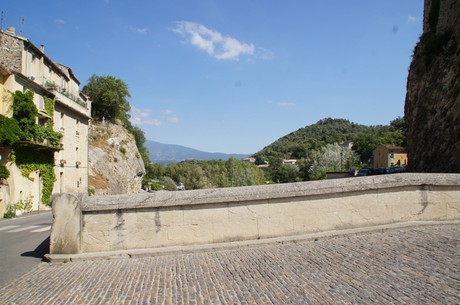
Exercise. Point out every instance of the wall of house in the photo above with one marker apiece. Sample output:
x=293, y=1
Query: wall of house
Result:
x=382, y=157
x=399, y=158
x=20, y=187
x=28, y=68
x=71, y=176
x=11, y=52
x=85, y=224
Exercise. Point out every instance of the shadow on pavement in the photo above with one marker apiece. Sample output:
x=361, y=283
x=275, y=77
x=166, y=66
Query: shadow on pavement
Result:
x=40, y=251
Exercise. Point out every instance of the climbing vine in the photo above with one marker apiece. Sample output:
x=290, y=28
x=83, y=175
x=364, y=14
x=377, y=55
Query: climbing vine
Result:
x=21, y=132
x=42, y=161
x=49, y=108
x=25, y=113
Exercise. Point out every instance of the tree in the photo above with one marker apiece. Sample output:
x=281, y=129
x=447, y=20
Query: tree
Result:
x=25, y=112
x=364, y=145
x=9, y=131
x=109, y=98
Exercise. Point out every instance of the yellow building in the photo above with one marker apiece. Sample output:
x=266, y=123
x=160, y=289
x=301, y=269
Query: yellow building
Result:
x=386, y=155
x=25, y=67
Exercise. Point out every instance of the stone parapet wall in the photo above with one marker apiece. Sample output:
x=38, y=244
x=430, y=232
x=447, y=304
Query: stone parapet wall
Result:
x=163, y=219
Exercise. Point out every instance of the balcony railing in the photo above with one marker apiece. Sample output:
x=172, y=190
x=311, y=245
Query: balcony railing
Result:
x=53, y=86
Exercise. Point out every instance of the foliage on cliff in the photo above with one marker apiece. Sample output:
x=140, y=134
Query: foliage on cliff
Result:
x=115, y=165
x=110, y=103
x=109, y=97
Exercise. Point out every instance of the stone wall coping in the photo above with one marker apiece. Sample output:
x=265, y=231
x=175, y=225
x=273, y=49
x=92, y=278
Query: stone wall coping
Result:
x=265, y=192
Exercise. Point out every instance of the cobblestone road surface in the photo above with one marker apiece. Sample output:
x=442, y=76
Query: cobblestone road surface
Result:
x=405, y=266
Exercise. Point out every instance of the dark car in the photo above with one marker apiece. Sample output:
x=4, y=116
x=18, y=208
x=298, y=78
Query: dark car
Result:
x=381, y=171
x=390, y=170
x=364, y=172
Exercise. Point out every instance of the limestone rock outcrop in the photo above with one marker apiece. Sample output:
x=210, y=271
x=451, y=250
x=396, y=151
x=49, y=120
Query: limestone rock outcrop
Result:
x=432, y=107
x=115, y=165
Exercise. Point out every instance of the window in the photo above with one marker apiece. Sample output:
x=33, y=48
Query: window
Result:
x=61, y=122
x=41, y=102
x=42, y=121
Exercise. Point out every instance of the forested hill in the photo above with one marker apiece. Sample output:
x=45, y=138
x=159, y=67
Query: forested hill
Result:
x=300, y=143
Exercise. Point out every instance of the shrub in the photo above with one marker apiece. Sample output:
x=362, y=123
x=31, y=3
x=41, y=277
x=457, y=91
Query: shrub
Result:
x=4, y=172
x=9, y=212
x=24, y=205
x=9, y=131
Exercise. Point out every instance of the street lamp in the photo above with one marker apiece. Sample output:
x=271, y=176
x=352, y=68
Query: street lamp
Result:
x=341, y=161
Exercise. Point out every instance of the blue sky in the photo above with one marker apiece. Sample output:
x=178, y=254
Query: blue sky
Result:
x=234, y=76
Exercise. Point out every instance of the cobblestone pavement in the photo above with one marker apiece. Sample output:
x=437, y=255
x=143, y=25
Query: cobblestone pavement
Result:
x=418, y=265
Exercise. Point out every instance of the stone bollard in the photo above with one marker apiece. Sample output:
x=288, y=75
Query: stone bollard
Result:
x=67, y=223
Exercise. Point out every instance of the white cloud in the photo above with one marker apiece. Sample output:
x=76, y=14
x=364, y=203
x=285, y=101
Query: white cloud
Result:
x=213, y=42
x=411, y=19
x=59, y=22
x=286, y=104
x=141, y=117
x=264, y=54
x=140, y=30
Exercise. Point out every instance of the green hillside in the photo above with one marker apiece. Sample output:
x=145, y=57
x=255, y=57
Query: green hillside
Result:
x=303, y=142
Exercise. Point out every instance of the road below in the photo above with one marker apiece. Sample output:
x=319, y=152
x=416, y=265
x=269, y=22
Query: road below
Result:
x=23, y=241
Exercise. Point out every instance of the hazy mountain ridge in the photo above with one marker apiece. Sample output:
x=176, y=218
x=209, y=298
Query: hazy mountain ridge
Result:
x=171, y=153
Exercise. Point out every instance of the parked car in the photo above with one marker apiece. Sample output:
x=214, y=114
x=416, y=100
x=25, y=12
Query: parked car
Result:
x=364, y=172
x=381, y=171
x=390, y=170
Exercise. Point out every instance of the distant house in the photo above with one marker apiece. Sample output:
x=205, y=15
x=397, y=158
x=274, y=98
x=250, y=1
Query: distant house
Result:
x=25, y=67
x=386, y=155
x=289, y=161
x=250, y=159
x=346, y=144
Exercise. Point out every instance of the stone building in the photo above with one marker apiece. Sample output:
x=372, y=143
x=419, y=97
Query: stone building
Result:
x=386, y=155
x=25, y=67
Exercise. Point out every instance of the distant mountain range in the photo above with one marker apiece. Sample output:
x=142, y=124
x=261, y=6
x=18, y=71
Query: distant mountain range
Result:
x=171, y=153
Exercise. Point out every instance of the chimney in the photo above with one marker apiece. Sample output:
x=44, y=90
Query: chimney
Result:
x=42, y=48
x=11, y=30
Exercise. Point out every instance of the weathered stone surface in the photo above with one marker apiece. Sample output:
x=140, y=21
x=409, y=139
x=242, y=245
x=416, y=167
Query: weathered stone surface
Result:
x=432, y=107
x=115, y=165
x=66, y=231
x=10, y=52
x=161, y=219
x=336, y=187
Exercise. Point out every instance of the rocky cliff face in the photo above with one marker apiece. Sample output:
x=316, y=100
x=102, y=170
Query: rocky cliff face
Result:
x=432, y=107
x=115, y=165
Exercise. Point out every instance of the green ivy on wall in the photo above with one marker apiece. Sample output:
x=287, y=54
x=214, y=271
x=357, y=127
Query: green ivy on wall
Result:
x=27, y=158
x=49, y=108
x=39, y=160
x=25, y=113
